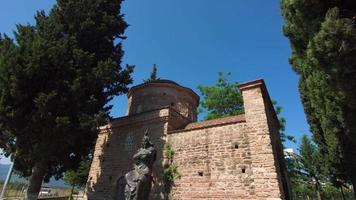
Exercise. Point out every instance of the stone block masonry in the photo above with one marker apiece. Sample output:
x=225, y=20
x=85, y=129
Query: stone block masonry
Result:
x=237, y=157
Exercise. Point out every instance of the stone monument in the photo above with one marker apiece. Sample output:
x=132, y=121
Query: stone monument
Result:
x=139, y=180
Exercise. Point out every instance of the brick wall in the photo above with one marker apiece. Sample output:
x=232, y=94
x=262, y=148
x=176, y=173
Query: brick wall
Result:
x=115, y=147
x=238, y=157
x=215, y=163
x=232, y=158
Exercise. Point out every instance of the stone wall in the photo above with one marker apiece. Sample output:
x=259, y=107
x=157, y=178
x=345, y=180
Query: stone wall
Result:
x=238, y=157
x=214, y=162
x=263, y=125
x=115, y=147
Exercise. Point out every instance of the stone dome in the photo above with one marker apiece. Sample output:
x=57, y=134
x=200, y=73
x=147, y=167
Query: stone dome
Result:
x=159, y=94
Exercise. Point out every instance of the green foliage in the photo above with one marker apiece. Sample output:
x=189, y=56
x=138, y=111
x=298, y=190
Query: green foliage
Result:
x=15, y=187
x=307, y=176
x=153, y=76
x=170, y=169
x=282, y=123
x=224, y=99
x=303, y=191
x=329, y=191
x=323, y=37
x=301, y=182
x=309, y=156
x=221, y=100
x=79, y=176
x=168, y=151
x=170, y=173
x=56, y=79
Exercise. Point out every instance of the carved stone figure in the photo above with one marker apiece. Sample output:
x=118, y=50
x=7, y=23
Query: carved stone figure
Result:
x=139, y=180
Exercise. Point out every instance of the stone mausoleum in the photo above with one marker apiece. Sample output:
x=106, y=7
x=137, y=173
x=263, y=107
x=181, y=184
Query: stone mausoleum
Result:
x=237, y=157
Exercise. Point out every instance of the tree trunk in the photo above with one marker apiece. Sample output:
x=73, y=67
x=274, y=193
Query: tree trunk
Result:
x=353, y=182
x=342, y=193
x=317, y=188
x=318, y=195
x=35, y=181
x=71, y=193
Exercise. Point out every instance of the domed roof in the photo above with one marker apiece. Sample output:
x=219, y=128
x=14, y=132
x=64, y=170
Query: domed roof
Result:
x=160, y=94
x=164, y=82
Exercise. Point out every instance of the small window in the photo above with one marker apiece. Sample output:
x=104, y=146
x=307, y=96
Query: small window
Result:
x=236, y=146
x=243, y=170
x=129, y=143
x=200, y=173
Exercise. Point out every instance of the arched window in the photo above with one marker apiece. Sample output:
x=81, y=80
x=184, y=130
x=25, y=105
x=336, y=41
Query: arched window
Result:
x=129, y=143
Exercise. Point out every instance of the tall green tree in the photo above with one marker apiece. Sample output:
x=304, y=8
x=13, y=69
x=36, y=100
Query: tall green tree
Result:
x=56, y=79
x=221, y=100
x=79, y=176
x=307, y=174
x=309, y=158
x=323, y=37
x=224, y=99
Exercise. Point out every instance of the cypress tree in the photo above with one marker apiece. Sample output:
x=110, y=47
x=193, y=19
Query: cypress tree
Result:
x=153, y=76
x=323, y=40
x=56, y=79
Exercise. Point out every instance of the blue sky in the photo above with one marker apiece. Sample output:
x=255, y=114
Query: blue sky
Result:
x=192, y=40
